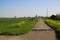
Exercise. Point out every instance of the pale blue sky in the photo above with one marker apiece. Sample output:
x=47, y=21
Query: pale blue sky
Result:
x=20, y=8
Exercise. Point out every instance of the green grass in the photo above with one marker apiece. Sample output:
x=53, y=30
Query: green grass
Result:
x=16, y=26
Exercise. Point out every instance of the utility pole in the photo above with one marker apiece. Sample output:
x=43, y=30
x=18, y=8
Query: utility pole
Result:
x=36, y=11
x=47, y=13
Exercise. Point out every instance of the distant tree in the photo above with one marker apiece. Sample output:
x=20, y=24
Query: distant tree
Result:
x=58, y=16
x=53, y=17
x=36, y=16
x=14, y=16
x=39, y=16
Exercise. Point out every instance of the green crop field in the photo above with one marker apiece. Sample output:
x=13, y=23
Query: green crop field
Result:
x=16, y=26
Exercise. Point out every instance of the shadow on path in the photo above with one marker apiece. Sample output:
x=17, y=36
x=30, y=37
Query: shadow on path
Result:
x=42, y=30
x=58, y=35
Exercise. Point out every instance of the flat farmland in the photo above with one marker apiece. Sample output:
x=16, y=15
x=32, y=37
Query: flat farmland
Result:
x=16, y=26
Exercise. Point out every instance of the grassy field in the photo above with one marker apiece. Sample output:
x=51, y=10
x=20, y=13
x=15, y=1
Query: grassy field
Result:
x=16, y=26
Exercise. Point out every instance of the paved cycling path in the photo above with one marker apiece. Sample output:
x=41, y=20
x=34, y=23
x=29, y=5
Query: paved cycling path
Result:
x=40, y=32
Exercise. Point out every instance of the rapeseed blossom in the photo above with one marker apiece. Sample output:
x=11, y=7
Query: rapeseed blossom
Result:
x=54, y=22
x=20, y=23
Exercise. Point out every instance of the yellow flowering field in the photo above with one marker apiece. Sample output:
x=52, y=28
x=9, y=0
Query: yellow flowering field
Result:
x=54, y=23
x=21, y=23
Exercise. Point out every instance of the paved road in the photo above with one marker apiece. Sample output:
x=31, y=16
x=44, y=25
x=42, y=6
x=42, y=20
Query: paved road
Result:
x=40, y=32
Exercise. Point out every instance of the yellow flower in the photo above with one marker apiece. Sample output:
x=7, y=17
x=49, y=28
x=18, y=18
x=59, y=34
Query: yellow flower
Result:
x=54, y=21
x=20, y=23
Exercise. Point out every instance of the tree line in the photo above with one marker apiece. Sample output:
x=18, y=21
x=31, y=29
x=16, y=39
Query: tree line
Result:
x=55, y=17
